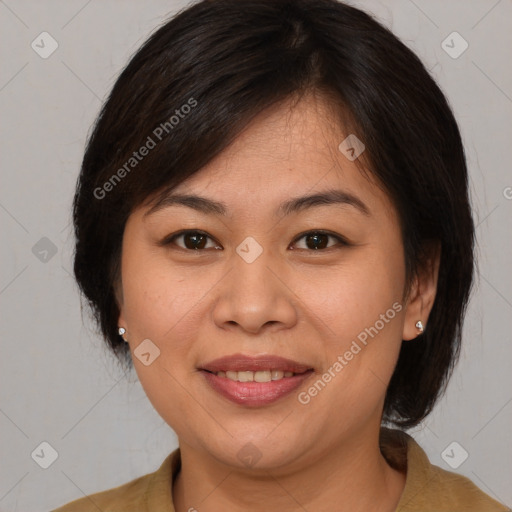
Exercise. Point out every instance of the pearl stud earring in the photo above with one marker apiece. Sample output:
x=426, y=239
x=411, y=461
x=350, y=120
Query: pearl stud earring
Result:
x=121, y=331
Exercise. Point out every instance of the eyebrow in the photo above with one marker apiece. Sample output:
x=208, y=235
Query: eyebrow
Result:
x=294, y=205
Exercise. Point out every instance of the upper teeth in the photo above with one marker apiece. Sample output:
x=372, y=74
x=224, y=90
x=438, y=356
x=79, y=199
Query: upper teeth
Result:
x=261, y=376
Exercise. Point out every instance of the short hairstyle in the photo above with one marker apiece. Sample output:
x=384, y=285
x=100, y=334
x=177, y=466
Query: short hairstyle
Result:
x=200, y=79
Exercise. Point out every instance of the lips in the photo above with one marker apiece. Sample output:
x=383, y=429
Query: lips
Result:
x=255, y=394
x=289, y=376
x=240, y=363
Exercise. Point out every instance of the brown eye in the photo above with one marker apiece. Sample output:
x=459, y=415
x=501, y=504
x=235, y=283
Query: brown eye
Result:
x=318, y=240
x=194, y=241
x=191, y=240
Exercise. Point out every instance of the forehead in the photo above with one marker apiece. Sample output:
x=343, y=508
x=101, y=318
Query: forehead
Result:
x=299, y=140
x=286, y=151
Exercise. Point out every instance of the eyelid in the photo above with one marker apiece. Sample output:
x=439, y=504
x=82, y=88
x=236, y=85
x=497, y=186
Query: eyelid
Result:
x=168, y=240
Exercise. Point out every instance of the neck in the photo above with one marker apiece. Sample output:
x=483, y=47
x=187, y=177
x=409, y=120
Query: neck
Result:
x=353, y=476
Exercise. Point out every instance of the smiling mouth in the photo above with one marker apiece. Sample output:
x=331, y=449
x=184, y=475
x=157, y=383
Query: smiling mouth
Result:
x=255, y=388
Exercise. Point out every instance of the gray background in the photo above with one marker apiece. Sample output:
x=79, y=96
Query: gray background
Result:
x=58, y=383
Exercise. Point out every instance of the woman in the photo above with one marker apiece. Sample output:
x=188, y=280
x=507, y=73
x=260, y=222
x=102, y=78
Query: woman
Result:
x=273, y=228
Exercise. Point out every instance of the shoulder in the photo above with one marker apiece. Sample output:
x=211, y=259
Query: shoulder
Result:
x=429, y=488
x=124, y=497
x=450, y=492
x=457, y=492
x=138, y=495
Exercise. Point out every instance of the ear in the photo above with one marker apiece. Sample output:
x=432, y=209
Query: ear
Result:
x=423, y=291
x=121, y=321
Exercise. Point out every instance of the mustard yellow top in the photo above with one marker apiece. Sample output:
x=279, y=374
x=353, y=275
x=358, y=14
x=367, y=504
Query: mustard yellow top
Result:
x=428, y=488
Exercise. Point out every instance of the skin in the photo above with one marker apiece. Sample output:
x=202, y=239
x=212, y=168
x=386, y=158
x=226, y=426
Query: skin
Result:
x=293, y=301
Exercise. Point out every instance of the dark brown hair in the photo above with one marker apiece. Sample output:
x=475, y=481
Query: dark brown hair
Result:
x=201, y=78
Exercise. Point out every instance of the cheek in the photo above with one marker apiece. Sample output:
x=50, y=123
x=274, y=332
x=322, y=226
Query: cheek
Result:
x=161, y=304
x=361, y=318
x=352, y=296
x=158, y=297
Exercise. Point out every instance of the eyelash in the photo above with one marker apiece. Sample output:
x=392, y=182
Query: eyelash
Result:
x=169, y=240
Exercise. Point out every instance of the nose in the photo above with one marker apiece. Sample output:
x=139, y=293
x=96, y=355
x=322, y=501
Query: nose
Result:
x=255, y=296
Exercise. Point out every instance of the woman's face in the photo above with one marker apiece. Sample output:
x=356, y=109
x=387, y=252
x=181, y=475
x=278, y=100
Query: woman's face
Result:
x=256, y=286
